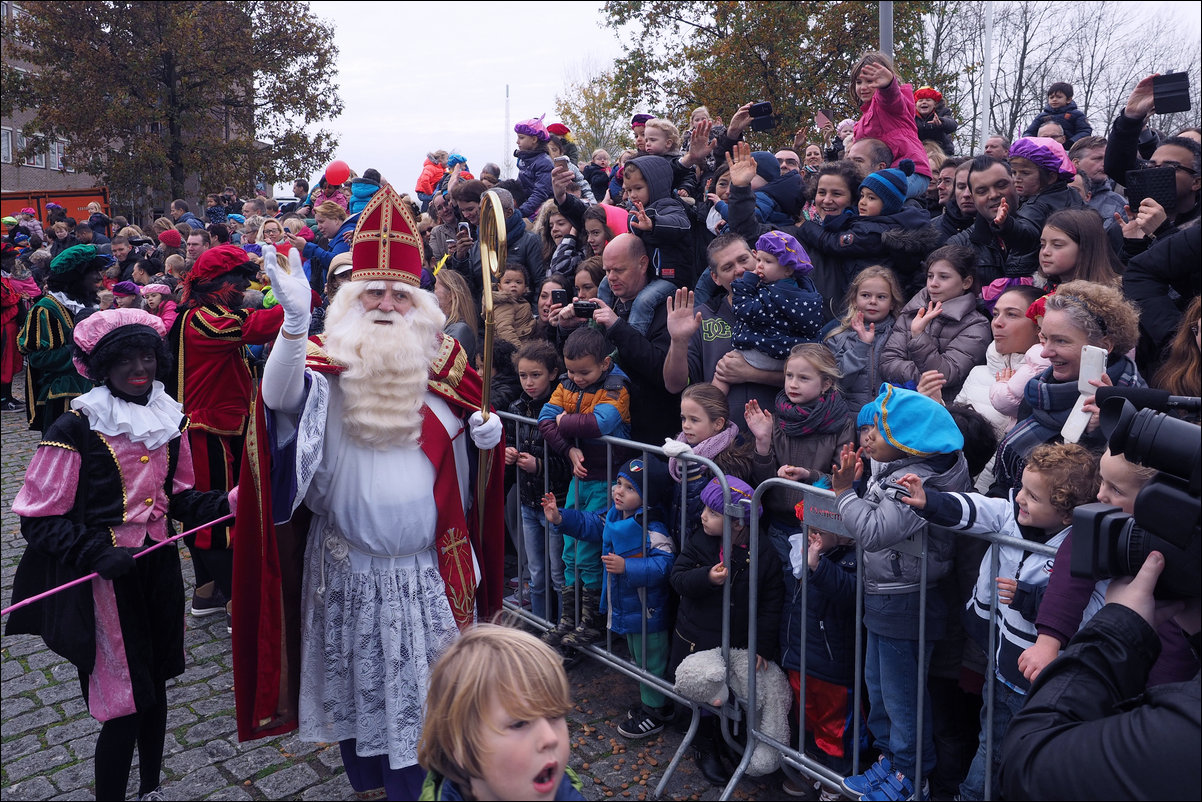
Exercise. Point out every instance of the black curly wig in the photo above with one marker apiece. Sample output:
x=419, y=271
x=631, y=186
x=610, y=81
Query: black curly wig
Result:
x=119, y=342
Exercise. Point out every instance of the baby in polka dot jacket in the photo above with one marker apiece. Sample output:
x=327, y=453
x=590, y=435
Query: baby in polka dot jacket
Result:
x=776, y=306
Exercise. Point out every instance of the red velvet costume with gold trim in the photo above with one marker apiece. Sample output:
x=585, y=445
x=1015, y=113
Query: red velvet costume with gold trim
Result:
x=269, y=556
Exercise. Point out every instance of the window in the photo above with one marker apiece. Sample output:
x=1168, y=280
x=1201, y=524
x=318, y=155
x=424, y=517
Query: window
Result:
x=36, y=160
x=6, y=146
x=58, y=155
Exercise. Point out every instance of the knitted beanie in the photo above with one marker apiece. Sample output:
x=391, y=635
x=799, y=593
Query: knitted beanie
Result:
x=890, y=185
x=766, y=165
x=171, y=238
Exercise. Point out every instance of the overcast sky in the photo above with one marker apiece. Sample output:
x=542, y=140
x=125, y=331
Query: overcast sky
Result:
x=415, y=77
x=418, y=76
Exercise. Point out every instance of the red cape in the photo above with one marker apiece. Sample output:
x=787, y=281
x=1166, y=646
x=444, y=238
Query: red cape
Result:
x=269, y=558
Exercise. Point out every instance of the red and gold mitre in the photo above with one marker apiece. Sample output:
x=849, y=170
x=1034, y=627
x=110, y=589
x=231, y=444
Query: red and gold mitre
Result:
x=386, y=245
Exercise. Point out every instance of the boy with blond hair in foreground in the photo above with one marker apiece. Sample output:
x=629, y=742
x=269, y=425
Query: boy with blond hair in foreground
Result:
x=495, y=725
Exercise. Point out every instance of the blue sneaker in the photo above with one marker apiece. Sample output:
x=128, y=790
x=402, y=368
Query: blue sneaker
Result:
x=897, y=787
x=860, y=784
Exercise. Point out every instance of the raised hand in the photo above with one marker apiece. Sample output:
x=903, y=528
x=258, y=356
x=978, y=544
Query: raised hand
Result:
x=1003, y=211
x=1141, y=101
x=913, y=485
x=742, y=166
x=551, y=509
x=848, y=469
x=759, y=423
x=930, y=384
x=641, y=221
x=866, y=333
x=683, y=319
x=924, y=317
x=876, y=74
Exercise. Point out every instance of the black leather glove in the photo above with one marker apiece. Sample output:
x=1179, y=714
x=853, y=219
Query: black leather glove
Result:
x=113, y=562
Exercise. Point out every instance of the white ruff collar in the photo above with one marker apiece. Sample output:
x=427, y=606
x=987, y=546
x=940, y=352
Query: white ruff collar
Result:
x=73, y=306
x=153, y=425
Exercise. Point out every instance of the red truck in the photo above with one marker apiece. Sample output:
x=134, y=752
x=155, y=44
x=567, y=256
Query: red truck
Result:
x=75, y=201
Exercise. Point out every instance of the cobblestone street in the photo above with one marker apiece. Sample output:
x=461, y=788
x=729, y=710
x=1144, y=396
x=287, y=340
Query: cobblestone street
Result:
x=48, y=737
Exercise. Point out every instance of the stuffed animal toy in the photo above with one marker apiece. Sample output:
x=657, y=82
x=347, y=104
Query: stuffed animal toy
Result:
x=702, y=678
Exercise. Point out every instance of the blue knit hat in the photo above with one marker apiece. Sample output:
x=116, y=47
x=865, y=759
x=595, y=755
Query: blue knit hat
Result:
x=911, y=422
x=740, y=496
x=533, y=127
x=766, y=165
x=890, y=185
x=657, y=478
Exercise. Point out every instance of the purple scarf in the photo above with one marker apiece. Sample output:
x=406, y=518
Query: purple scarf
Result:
x=709, y=448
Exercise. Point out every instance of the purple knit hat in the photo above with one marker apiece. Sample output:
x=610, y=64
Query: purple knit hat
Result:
x=640, y=120
x=787, y=251
x=533, y=127
x=1044, y=152
x=711, y=495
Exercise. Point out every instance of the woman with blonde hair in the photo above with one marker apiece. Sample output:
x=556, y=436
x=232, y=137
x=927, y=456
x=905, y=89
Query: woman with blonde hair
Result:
x=455, y=301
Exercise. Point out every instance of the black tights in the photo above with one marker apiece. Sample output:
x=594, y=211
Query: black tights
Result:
x=115, y=749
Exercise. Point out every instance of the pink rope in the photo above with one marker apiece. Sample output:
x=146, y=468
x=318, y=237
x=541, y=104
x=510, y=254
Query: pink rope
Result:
x=91, y=576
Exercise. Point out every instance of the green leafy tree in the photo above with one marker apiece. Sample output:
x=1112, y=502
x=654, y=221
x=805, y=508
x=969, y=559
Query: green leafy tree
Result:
x=724, y=54
x=590, y=108
x=149, y=94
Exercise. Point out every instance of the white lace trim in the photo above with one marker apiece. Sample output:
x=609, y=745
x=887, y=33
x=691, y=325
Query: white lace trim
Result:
x=368, y=644
x=311, y=435
x=154, y=425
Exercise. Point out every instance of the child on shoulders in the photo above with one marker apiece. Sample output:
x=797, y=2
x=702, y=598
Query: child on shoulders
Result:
x=534, y=164
x=887, y=113
x=776, y=306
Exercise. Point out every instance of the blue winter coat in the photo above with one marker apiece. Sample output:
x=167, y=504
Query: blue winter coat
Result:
x=779, y=202
x=830, y=626
x=1070, y=118
x=648, y=564
x=534, y=171
x=772, y=318
x=319, y=258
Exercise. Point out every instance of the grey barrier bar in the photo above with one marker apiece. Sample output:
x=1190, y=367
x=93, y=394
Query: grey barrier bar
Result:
x=819, y=511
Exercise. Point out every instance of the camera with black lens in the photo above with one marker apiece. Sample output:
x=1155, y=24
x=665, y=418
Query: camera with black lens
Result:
x=1168, y=510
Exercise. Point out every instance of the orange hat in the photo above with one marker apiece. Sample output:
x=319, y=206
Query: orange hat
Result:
x=386, y=245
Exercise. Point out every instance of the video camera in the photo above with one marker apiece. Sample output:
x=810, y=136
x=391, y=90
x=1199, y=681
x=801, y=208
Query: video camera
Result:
x=1168, y=510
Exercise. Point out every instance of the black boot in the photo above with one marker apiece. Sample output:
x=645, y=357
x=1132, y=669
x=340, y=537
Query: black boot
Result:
x=567, y=620
x=592, y=624
x=706, y=752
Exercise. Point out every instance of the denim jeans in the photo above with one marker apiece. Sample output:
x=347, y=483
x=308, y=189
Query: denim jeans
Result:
x=1006, y=704
x=891, y=674
x=534, y=535
x=648, y=300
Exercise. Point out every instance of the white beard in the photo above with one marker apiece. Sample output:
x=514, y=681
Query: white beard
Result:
x=387, y=365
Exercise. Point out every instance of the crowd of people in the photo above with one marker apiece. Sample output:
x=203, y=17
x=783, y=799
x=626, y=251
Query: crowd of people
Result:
x=866, y=312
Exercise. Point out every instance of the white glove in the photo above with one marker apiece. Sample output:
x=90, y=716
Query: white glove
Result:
x=674, y=447
x=799, y=545
x=485, y=433
x=290, y=289
x=232, y=498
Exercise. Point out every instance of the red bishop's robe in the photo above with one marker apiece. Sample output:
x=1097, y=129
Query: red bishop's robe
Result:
x=269, y=557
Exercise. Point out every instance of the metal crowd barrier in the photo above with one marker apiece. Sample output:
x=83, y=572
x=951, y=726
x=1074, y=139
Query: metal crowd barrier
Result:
x=819, y=512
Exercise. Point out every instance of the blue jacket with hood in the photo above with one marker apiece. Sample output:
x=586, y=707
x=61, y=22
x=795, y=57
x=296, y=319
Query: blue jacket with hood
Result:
x=669, y=243
x=648, y=564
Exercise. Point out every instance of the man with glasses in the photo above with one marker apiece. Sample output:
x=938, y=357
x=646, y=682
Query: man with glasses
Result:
x=1052, y=130
x=442, y=236
x=1182, y=154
